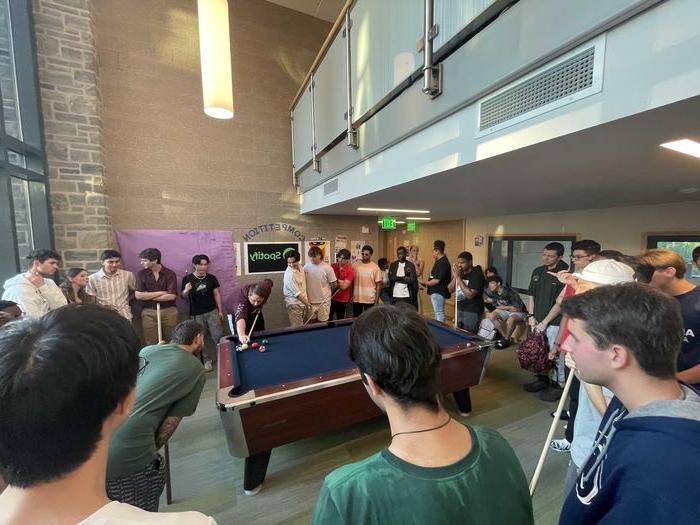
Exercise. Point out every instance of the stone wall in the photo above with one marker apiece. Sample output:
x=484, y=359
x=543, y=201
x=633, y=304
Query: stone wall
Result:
x=70, y=93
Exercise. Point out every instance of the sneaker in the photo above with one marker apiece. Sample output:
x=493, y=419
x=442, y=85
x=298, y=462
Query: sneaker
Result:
x=536, y=385
x=503, y=343
x=208, y=366
x=560, y=445
x=564, y=416
x=552, y=393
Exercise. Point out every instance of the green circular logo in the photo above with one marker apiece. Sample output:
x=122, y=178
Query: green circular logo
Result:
x=286, y=251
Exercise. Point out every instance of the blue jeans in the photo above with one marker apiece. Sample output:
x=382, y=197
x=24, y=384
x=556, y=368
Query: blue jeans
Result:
x=438, y=306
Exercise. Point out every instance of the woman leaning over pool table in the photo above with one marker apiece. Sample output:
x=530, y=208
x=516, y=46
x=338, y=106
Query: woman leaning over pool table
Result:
x=249, y=300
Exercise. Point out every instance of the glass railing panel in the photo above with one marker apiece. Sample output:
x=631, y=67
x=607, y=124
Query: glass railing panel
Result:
x=330, y=94
x=302, y=130
x=451, y=16
x=383, y=48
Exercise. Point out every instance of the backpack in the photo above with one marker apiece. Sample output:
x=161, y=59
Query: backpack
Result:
x=533, y=353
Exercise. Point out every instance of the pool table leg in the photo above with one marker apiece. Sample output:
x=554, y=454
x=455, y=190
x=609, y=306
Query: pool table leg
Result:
x=464, y=401
x=255, y=470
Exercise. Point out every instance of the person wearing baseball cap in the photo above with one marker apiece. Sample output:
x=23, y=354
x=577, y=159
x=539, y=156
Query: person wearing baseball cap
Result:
x=592, y=399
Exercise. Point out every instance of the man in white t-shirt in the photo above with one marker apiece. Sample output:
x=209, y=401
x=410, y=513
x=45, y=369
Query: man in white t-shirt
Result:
x=294, y=290
x=34, y=291
x=54, y=442
x=321, y=282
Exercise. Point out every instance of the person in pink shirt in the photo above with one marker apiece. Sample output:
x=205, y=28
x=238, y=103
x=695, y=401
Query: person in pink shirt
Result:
x=368, y=283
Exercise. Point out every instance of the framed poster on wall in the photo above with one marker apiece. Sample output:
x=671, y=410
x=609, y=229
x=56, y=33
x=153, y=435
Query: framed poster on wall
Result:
x=325, y=249
x=267, y=257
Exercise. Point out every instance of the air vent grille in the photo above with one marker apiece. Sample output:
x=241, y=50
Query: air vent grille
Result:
x=330, y=187
x=558, y=82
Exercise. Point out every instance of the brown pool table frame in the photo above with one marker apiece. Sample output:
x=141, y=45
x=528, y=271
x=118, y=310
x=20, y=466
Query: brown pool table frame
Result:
x=262, y=419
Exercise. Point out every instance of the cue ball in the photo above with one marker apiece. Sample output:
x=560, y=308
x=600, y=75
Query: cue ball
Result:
x=255, y=345
x=244, y=346
x=261, y=349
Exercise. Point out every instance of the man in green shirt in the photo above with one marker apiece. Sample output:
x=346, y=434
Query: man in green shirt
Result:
x=543, y=291
x=435, y=470
x=167, y=389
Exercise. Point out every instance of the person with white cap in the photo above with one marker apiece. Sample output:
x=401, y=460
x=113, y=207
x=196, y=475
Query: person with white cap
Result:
x=592, y=399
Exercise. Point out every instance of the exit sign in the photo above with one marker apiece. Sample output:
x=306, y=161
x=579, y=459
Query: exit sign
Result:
x=410, y=226
x=388, y=223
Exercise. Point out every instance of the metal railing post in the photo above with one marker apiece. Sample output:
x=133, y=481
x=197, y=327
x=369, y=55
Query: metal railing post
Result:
x=351, y=132
x=315, y=159
x=432, y=74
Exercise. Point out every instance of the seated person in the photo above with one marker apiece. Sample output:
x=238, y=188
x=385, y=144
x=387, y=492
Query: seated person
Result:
x=508, y=308
x=80, y=364
x=169, y=385
x=435, y=469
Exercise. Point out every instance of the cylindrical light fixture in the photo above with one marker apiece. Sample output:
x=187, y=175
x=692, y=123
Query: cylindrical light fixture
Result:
x=215, y=55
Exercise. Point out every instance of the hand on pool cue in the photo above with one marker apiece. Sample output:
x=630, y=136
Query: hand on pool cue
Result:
x=550, y=434
x=160, y=325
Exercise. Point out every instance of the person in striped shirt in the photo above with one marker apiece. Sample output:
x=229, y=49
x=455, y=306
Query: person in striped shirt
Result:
x=112, y=286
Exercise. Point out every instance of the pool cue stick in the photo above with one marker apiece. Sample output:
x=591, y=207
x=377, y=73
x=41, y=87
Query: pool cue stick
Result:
x=456, y=288
x=168, y=485
x=311, y=316
x=550, y=434
x=160, y=324
x=252, y=327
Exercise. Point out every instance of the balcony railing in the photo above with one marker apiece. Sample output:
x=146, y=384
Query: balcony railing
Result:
x=375, y=51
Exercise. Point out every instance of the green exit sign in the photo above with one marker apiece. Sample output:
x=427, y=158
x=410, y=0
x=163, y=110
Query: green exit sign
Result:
x=388, y=223
x=410, y=226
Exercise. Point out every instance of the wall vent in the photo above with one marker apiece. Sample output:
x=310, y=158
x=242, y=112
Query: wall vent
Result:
x=330, y=187
x=571, y=77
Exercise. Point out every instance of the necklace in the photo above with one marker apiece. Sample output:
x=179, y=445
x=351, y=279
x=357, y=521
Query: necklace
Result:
x=449, y=418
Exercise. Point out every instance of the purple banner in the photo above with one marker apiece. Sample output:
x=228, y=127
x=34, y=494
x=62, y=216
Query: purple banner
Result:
x=177, y=248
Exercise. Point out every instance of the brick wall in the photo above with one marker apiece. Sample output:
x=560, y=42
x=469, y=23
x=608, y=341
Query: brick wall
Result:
x=69, y=78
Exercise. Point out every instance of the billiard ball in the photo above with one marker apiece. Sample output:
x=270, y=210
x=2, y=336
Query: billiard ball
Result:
x=238, y=348
x=244, y=346
x=261, y=348
x=255, y=345
x=264, y=341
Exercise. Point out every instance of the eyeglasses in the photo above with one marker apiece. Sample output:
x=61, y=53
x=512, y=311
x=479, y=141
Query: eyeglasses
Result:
x=143, y=363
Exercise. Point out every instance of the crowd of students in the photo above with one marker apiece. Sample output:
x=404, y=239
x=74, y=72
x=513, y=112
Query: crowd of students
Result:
x=319, y=291
x=85, y=409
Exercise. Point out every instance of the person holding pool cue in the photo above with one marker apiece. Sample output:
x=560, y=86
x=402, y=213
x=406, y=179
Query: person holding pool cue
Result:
x=248, y=303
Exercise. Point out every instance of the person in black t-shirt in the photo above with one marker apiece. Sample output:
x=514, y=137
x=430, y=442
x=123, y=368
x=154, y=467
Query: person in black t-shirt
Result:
x=470, y=289
x=438, y=280
x=202, y=290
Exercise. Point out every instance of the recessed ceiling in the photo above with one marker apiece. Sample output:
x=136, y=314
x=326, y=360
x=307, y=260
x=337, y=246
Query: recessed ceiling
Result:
x=327, y=10
x=615, y=164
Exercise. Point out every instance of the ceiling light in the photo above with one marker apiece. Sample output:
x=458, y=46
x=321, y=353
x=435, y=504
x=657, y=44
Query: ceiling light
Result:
x=687, y=146
x=215, y=56
x=418, y=218
x=392, y=210
x=688, y=191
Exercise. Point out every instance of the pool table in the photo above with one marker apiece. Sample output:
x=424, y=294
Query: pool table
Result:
x=305, y=384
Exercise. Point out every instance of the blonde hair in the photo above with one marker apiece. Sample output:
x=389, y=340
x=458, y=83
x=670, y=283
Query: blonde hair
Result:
x=661, y=259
